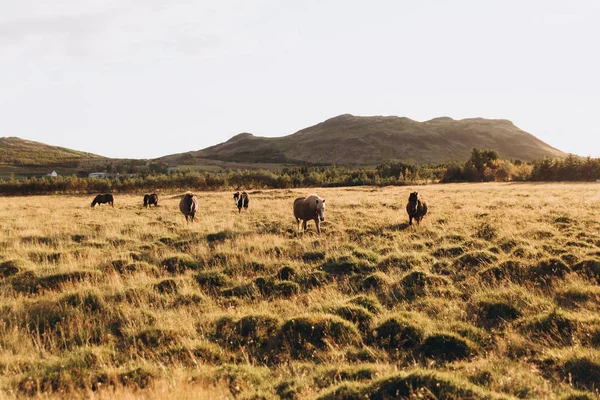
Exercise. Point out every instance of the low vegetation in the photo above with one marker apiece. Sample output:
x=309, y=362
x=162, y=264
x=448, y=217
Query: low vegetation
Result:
x=494, y=295
x=482, y=166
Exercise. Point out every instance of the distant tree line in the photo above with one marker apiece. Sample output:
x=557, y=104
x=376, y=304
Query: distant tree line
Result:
x=482, y=166
x=486, y=166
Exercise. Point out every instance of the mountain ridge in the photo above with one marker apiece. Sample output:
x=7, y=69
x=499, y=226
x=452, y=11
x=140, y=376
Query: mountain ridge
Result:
x=353, y=140
x=345, y=139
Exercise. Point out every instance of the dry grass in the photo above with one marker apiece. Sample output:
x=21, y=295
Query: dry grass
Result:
x=495, y=294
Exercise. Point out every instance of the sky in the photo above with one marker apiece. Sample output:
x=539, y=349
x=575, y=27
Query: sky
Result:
x=147, y=78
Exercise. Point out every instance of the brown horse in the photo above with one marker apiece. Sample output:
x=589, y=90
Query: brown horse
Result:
x=416, y=208
x=309, y=208
x=241, y=200
x=150, y=199
x=188, y=206
x=103, y=199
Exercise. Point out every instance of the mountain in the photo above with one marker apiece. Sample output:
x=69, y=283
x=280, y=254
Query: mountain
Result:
x=16, y=151
x=342, y=140
x=354, y=140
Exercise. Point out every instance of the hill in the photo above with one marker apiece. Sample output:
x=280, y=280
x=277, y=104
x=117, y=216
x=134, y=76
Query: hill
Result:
x=342, y=140
x=16, y=151
x=354, y=140
x=25, y=158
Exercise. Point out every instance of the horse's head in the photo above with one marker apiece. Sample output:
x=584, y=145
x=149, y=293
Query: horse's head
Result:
x=320, y=205
x=236, y=197
x=413, y=200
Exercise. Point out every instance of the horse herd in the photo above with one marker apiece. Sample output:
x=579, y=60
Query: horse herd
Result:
x=305, y=208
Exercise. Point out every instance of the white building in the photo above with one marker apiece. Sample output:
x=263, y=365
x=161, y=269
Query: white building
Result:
x=53, y=174
x=97, y=175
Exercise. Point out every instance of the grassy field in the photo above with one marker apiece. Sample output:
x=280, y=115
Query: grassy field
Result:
x=495, y=295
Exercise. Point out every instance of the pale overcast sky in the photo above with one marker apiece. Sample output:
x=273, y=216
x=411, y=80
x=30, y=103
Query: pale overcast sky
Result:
x=146, y=78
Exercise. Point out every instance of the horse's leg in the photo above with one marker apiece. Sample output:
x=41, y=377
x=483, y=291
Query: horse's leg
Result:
x=318, y=225
x=299, y=222
x=410, y=219
x=304, y=225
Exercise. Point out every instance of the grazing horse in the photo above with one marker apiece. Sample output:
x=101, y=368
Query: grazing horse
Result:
x=150, y=199
x=416, y=208
x=188, y=206
x=309, y=208
x=103, y=199
x=241, y=200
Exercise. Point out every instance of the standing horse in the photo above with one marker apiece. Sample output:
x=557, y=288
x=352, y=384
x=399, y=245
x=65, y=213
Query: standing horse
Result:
x=103, y=199
x=150, y=199
x=416, y=208
x=241, y=200
x=309, y=208
x=188, y=206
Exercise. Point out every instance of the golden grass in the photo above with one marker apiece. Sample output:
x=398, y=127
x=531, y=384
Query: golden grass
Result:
x=498, y=282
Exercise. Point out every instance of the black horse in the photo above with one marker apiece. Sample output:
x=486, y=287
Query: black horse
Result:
x=103, y=199
x=241, y=200
x=415, y=208
x=150, y=199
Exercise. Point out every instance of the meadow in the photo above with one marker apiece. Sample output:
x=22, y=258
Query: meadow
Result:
x=495, y=294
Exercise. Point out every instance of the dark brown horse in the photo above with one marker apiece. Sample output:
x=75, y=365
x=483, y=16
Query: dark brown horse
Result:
x=188, y=206
x=416, y=208
x=103, y=199
x=150, y=199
